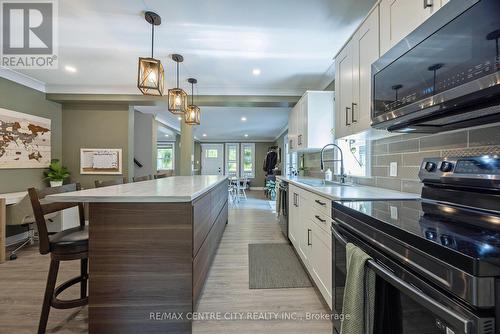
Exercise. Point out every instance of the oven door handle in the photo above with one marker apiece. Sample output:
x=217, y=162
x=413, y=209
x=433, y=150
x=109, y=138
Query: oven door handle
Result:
x=337, y=235
x=434, y=306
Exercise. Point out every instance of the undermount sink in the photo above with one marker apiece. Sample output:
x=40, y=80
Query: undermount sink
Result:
x=323, y=183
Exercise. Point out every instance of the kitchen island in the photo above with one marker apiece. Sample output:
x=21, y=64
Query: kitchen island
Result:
x=151, y=245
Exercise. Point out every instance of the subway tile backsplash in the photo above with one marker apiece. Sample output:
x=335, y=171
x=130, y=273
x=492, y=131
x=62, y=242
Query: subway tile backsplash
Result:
x=409, y=150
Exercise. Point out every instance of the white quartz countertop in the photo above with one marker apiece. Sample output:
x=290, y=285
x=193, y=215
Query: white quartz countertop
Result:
x=349, y=192
x=170, y=189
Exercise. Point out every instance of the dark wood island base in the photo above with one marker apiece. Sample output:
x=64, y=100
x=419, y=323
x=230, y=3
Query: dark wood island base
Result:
x=149, y=261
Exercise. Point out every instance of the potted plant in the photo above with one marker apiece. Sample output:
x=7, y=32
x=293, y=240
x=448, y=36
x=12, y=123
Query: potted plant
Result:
x=56, y=174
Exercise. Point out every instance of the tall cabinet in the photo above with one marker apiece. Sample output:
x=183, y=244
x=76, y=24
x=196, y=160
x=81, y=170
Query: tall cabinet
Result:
x=353, y=78
x=311, y=121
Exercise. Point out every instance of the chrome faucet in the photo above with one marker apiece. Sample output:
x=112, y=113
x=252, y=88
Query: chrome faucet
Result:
x=322, y=166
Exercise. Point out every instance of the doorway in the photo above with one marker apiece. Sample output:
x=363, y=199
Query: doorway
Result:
x=212, y=159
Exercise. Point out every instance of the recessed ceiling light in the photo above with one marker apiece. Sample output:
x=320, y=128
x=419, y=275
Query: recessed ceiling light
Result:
x=166, y=135
x=243, y=119
x=179, y=118
x=246, y=135
x=70, y=69
x=256, y=71
x=204, y=135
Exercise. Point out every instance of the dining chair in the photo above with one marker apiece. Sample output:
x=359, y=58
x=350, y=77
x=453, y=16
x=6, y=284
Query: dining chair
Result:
x=100, y=184
x=167, y=173
x=142, y=178
x=242, y=186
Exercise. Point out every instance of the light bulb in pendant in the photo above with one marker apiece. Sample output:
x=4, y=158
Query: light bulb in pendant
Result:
x=152, y=77
x=178, y=100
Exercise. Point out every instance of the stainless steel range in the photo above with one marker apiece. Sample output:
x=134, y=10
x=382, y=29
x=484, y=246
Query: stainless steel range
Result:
x=437, y=259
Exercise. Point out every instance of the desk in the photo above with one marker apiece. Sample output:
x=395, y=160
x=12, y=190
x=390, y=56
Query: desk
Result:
x=7, y=199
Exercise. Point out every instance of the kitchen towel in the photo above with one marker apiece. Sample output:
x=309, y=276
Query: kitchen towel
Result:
x=359, y=293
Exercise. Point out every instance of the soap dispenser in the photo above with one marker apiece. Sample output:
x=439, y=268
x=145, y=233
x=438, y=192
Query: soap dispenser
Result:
x=328, y=175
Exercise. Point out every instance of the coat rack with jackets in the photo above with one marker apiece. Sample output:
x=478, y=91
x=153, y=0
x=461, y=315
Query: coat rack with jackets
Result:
x=272, y=160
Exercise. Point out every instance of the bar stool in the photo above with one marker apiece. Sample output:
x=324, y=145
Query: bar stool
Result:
x=67, y=245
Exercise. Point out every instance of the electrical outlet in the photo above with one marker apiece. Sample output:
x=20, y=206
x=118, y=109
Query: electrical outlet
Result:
x=393, y=169
x=394, y=212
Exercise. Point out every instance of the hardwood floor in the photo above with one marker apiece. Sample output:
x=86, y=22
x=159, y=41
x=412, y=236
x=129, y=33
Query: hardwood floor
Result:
x=22, y=283
x=227, y=287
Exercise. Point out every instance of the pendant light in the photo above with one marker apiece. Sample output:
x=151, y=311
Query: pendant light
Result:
x=193, y=112
x=150, y=79
x=177, y=98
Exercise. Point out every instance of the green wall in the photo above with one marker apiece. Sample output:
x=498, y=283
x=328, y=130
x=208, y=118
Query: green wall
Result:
x=197, y=158
x=103, y=126
x=260, y=155
x=20, y=98
x=146, y=127
x=280, y=142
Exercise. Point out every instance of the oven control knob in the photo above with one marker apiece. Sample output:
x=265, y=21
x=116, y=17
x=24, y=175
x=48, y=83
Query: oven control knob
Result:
x=430, y=166
x=446, y=166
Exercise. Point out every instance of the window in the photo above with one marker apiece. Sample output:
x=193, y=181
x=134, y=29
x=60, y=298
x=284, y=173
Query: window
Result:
x=211, y=153
x=232, y=159
x=165, y=156
x=356, y=153
x=248, y=160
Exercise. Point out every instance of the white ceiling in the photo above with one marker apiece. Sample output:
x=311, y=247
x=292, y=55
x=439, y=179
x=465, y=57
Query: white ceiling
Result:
x=164, y=133
x=225, y=124
x=291, y=41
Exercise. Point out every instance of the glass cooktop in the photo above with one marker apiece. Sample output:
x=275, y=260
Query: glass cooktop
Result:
x=475, y=234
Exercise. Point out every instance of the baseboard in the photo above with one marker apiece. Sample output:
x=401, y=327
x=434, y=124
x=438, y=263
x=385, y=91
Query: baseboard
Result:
x=16, y=238
x=257, y=188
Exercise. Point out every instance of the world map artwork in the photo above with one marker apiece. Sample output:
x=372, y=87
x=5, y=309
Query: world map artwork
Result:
x=24, y=140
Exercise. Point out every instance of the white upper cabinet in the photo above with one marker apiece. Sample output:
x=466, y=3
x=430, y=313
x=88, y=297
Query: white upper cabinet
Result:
x=365, y=50
x=400, y=17
x=343, y=91
x=387, y=24
x=353, y=78
x=311, y=121
x=292, y=129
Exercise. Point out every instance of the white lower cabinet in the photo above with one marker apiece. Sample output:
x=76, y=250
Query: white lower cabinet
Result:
x=321, y=258
x=293, y=215
x=309, y=232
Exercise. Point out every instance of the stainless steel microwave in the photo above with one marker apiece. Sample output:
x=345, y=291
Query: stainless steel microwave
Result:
x=444, y=75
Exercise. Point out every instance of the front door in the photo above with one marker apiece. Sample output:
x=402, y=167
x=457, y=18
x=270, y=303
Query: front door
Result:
x=212, y=159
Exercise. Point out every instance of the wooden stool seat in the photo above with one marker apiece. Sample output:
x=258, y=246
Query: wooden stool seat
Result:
x=67, y=245
x=72, y=240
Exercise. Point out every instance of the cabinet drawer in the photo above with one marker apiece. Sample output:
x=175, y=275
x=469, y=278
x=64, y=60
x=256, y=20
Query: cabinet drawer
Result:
x=323, y=205
x=322, y=220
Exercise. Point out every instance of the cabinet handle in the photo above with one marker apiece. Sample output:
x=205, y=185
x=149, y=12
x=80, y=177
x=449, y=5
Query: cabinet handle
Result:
x=299, y=140
x=352, y=112
x=296, y=200
x=291, y=144
x=319, y=218
x=320, y=203
x=428, y=3
x=309, y=237
x=347, y=116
